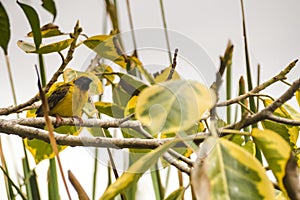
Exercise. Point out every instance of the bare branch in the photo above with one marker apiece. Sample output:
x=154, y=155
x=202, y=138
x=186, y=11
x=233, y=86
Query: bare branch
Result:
x=267, y=112
x=10, y=127
x=278, y=77
x=174, y=63
x=283, y=120
x=176, y=163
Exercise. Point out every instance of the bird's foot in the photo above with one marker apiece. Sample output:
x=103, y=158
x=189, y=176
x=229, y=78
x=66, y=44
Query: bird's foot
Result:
x=58, y=121
x=79, y=119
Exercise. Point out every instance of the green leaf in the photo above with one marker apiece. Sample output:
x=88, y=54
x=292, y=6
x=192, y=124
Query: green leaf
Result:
x=276, y=151
x=120, y=96
x=53, y=191
x=49, y=5
x=4, y=29
x=13, y=184
x=45, y=49
x=177, y=194
x=34, y=22
x=131, y=84
x=173, y=106
x=110, y=109
x=135, y=171
x=229, y=172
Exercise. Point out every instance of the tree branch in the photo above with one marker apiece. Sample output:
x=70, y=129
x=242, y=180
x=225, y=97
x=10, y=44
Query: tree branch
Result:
x=283, y=120
x=11, y=127
x=267, y=112
x=278, y=77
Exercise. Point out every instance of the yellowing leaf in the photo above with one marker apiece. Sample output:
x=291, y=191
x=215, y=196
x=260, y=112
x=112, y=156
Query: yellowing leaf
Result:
x=45, y=49
x=174, y=105
x=130, y=108
x=163, y=76
x=297, y=94
x=103, y=71
x=276, y=151
x=289, y=133
x=232, y=172
x=41, y=150
x=107, y=46
x=135, y=171
x=48, y=30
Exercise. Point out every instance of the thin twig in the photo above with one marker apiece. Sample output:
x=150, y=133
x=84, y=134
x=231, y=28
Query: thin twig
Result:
x=11, y=80
x=51, y=131
x=82, y=195
x=283, y=120
x=174, y=63
x=176, y=163
x=266, y=113
x=280, y=76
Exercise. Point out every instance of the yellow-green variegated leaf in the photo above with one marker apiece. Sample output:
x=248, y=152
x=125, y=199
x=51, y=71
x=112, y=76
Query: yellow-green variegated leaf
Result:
x=289, y=133
x=276, y=151
x=163, y=76
x=229, y=172
x=109, y=109
x=45, y=49
x=104, y=72
x=297, y=94
x=41, y=150
x=107, y=46
x=48, y=30
x=177, y=194
x=173, y=106
x=135, y=171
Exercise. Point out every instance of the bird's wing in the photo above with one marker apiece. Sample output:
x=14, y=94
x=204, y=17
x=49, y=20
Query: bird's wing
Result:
x=57, y=96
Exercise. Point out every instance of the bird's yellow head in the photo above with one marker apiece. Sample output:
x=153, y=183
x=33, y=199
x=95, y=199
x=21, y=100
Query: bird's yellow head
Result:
x=83, y=83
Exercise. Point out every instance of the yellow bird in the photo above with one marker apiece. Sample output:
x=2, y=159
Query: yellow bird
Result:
x=68, y=99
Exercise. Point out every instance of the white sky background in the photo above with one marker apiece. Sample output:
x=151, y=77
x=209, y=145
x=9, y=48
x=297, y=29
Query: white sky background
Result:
x=273, y=29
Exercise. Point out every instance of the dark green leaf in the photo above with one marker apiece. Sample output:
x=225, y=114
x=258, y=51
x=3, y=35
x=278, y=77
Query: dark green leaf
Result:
x=49, y=5
x=34, y=22
x=4, y=29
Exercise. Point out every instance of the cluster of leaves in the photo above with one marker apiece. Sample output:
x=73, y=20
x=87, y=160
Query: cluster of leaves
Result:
x=229, y=163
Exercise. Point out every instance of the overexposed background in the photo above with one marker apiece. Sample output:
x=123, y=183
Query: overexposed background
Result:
x=273, y=29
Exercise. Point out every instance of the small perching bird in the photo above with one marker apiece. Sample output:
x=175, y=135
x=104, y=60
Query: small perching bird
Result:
x=68, y=99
